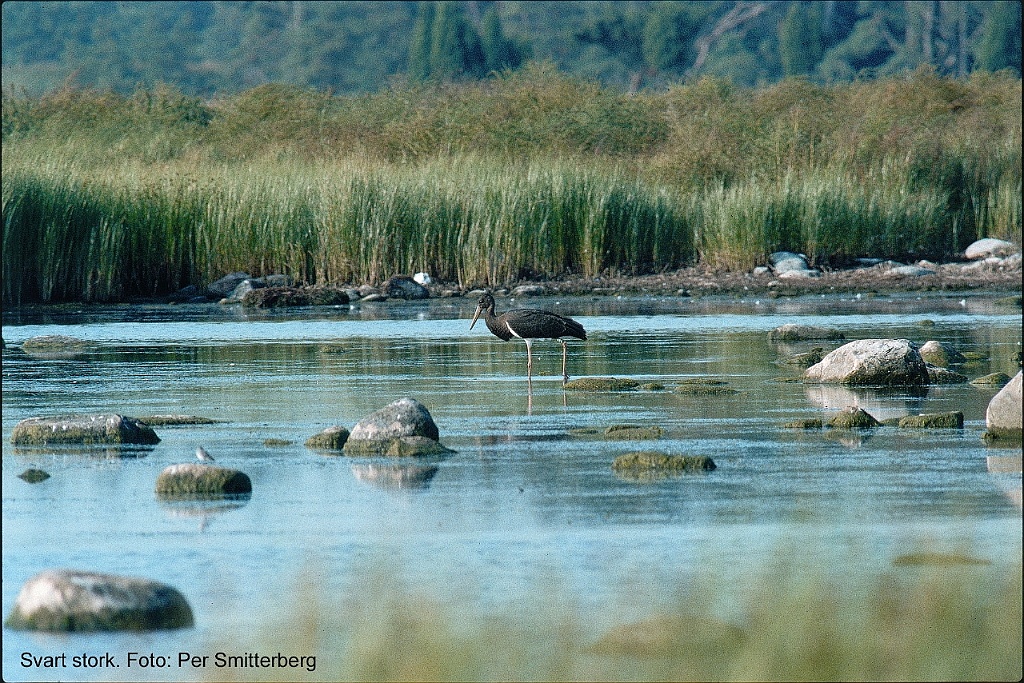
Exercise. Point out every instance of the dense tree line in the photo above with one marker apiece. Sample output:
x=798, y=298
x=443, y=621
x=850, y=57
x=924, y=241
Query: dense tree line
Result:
x=207, y=47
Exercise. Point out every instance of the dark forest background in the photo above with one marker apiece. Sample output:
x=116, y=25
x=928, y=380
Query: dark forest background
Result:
x=352, y=47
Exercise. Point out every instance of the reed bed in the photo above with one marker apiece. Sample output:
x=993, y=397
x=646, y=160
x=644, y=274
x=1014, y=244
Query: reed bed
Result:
x=529, y=175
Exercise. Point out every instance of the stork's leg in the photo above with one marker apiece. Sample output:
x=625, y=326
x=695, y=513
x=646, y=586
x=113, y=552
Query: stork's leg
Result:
x=565, y=352
x=529, y=361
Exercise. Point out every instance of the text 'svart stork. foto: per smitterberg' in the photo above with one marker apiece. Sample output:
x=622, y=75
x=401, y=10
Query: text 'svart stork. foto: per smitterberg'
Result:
x=529, y=324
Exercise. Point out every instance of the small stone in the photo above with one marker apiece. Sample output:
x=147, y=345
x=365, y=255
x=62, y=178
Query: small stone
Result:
x=996, y=379
x=950, y=420
x=332, y=439
x=938, y=375
x=852, y=417
x=602, y=384
x=806, y=423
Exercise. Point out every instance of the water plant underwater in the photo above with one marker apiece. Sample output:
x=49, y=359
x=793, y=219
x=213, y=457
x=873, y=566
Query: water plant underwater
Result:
x=530, y=174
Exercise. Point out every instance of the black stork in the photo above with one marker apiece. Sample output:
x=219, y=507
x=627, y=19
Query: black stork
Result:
x=529, y=324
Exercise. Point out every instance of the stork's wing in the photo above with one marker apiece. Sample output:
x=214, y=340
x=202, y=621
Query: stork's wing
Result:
x=537, y=324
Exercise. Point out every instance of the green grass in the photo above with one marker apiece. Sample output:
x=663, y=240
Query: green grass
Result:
x=530, y=175
x=787, y=621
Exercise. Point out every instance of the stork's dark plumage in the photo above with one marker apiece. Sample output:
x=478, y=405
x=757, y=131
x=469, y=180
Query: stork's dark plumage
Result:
x=529, y=324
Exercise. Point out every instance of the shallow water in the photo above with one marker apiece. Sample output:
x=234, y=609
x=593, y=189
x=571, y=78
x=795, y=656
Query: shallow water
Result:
x=522, y=502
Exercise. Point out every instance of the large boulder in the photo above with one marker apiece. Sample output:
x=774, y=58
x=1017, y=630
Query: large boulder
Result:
x=989, y=246
x=194, y=480
x=871, y=362
x=1003, y=415
x=403, y=427
x=69, y=600
x=82, y=429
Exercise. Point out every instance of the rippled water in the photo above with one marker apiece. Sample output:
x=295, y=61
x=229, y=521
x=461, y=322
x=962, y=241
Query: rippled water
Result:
x=522, y=500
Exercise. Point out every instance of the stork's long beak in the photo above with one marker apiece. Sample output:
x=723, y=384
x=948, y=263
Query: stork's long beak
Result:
x=479, y=310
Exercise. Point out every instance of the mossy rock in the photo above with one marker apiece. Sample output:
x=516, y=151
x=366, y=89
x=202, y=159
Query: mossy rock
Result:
x=1002, y=437
x=852, y=418
x=187, y=480
x=794, y=332
x=584, y=431
x=647, y=465
x=330, y=439
x=34, y=476
x=941, y=354
x=602, y=384
x=172, y=420
x=56, y=342
x=704, y=388
x=67, y=600
x=806, y=423
x=973, y=356
x=82, y=429
x=653, y=386
x=806, y=360
x=403, y=446
x=632, y=432
x=950, y=420
x=996, y=379
x=938, y=560
x=276, y=443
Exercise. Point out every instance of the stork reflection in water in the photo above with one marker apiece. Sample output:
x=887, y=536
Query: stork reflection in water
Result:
x=529, y=324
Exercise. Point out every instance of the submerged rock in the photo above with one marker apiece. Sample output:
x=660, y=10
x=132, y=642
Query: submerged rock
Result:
x=1003, y=415
x=403, y=427
x=705, y=388
x=172, y=420
x=186, y=480
x=654, y=464
x=938, y=560
x=34, y=476
x=938, y=375
x=69, y=600
x=632, y=432
x=82, y=429
x=332, y=439
x=871, y=362
x=996, y=379
x=806, y=423
x=950, y=420
x=852, y=417
x=57, y=347
x=793, y=332
x=602, y=384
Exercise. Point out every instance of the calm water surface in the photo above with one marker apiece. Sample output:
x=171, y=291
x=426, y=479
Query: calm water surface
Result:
x=522, y=502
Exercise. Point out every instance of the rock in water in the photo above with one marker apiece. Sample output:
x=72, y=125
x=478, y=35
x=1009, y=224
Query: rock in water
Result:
x=199, y=479
x=941, y=354
x=69, y=600
x=871, y=362
x=1003, y=415
x=82, y=429
x=403, y=427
